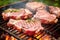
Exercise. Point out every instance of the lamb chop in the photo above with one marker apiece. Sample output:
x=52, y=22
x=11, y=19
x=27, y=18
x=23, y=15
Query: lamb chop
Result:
x=16, y=14
x=55, y=11
x=12, y=23
x=33, y=6
x=45, y=17
x=29, y=27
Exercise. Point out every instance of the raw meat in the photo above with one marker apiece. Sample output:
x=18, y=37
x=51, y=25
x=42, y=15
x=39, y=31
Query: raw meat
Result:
x=16, y=14
x=29, y=27
x=45, y=17
x=33, y=6
x=55, y=11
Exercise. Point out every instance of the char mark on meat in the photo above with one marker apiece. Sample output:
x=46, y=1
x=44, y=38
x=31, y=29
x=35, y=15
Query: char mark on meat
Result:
x=29, y=27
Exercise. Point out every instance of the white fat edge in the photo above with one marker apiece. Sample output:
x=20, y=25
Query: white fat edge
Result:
x=28, y=12
x=15, y=21
x=56, y=20
x=39, y=16
x=10, y=9
x=55, y=12
x=12, y=21
x=9, y=13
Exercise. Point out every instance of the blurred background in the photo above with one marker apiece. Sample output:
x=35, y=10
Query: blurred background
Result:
x=48, y=2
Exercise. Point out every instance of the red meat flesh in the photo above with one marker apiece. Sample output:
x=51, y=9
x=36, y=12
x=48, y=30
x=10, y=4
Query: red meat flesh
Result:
x=34, y=5
x=17, y=14
x=28, y=27
x=55, y=11
x=45, y=17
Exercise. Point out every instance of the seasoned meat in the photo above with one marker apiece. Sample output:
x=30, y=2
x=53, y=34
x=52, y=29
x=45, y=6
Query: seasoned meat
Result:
x=29, y=27
x=33, y=6
x=17, y=14
x=45, y=17
x=55, y=11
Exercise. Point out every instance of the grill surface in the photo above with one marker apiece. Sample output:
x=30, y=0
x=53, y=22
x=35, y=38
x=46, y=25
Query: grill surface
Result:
x=49, y=29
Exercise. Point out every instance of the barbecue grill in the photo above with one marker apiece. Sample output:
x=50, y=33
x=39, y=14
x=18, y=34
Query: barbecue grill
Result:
x=53, y=30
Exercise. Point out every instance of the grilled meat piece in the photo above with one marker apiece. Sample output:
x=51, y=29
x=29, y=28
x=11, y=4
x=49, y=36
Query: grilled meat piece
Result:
x=29, y=27
x=55, y=11
x=16, y=14
x=33, y=6
x=34, y=26
x=13, y=23
x=45, y=17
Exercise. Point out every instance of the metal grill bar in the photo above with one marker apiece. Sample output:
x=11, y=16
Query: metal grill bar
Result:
x=58, y=27
x=10, y=33
x=52, y=30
